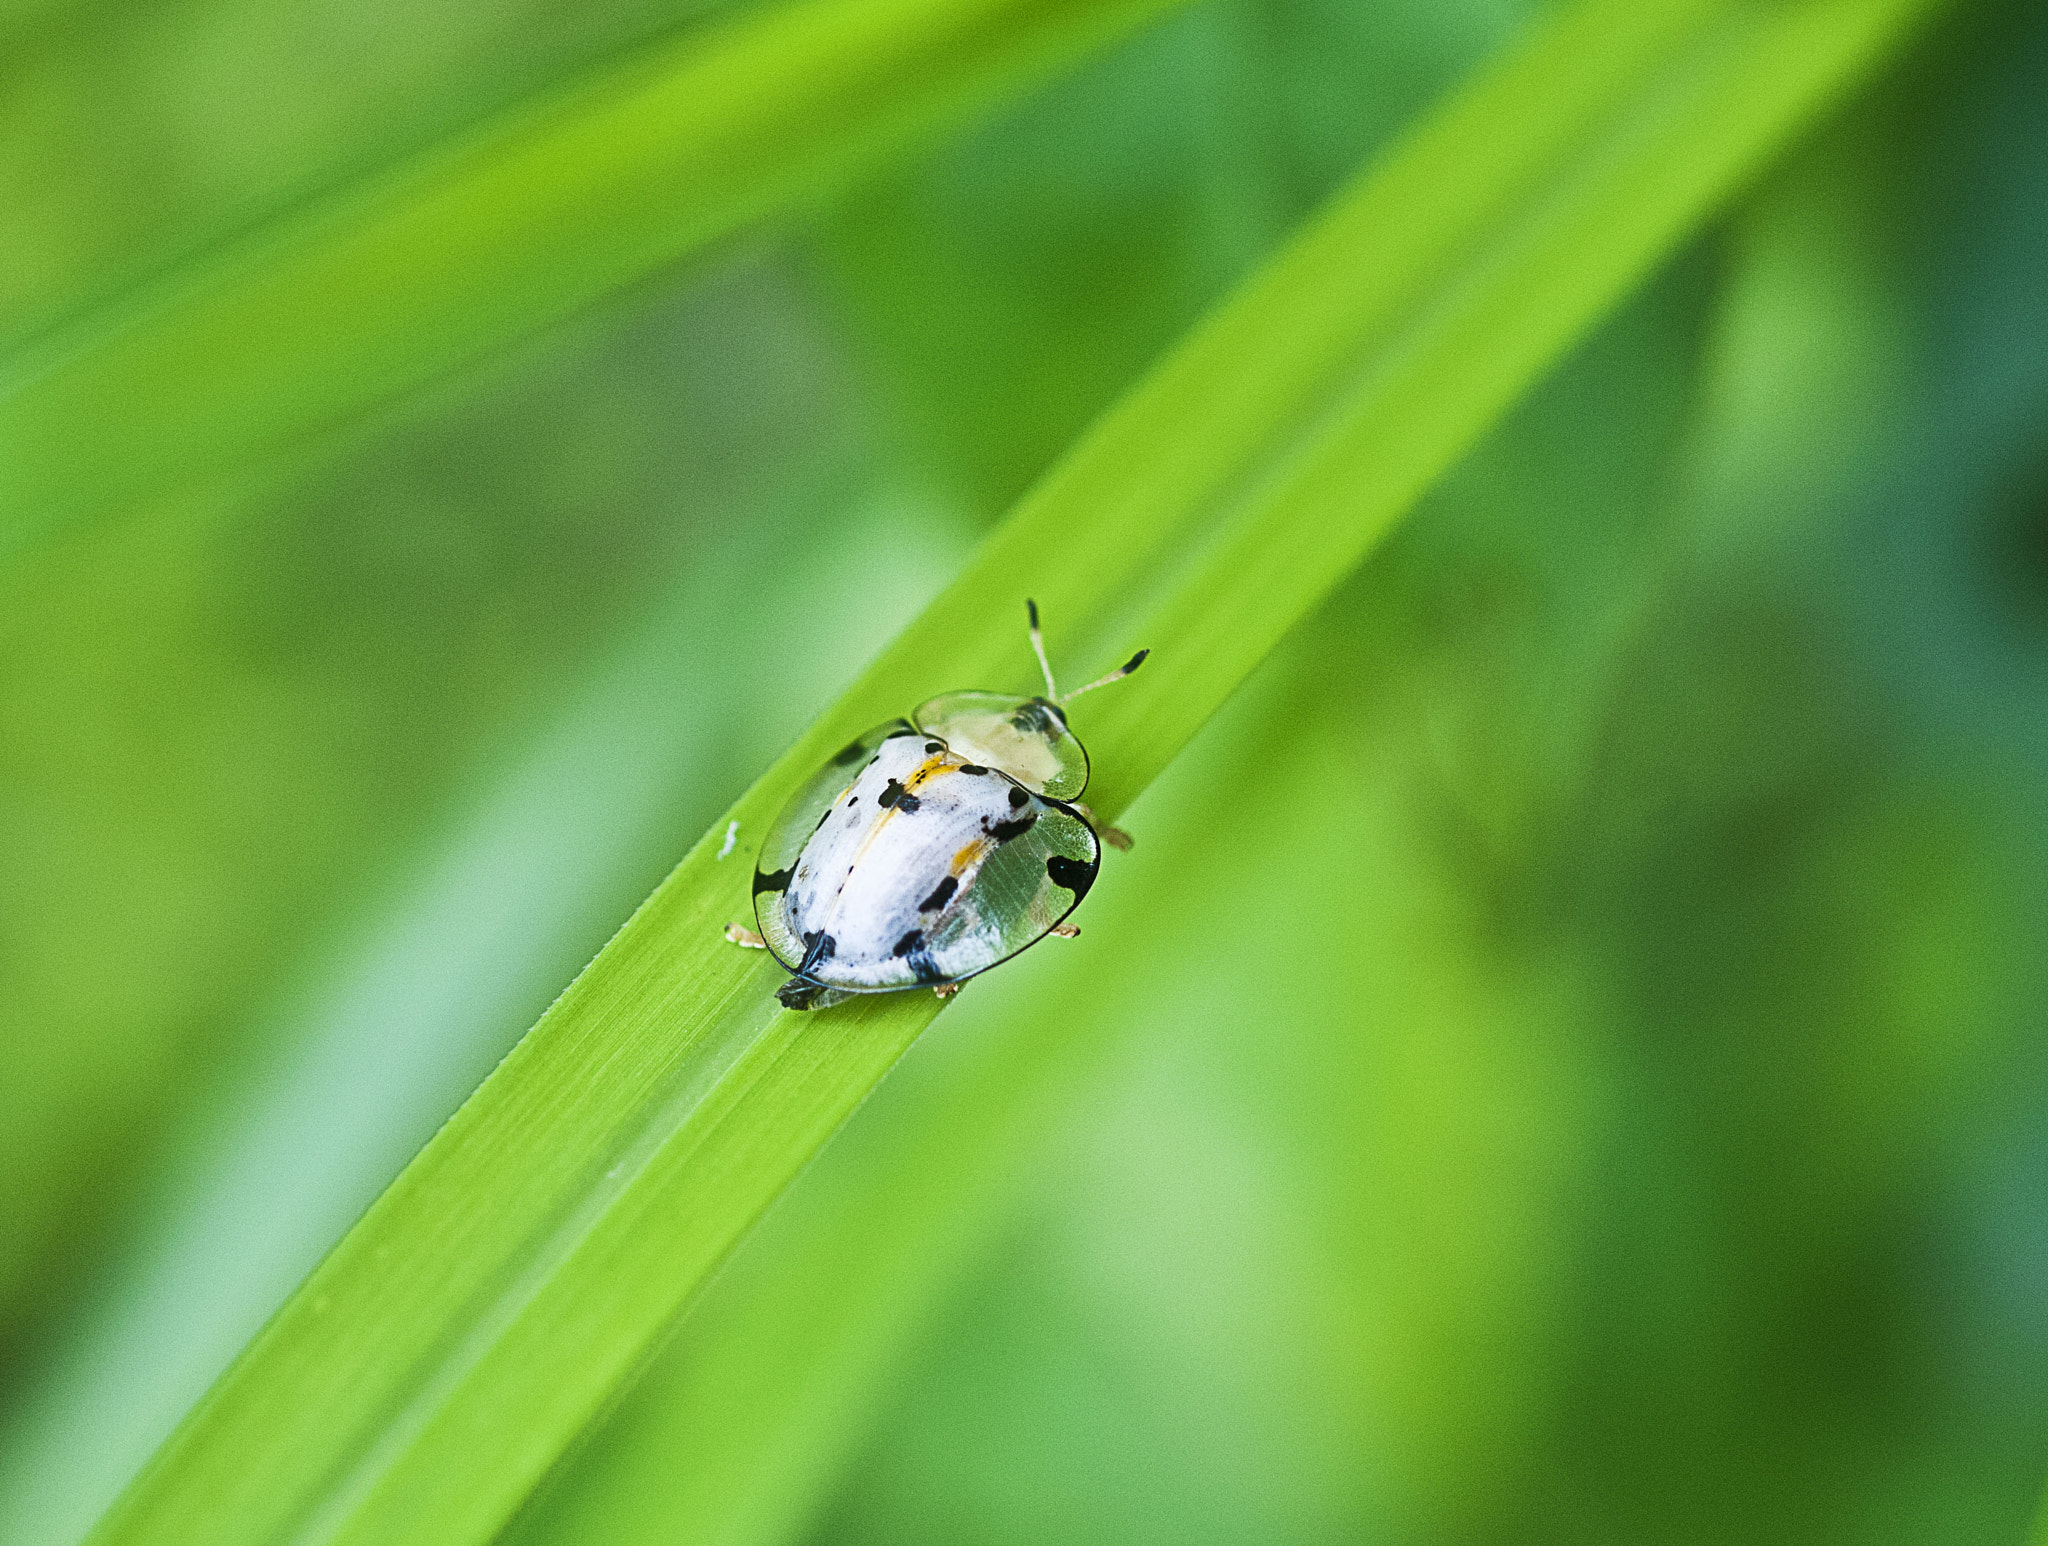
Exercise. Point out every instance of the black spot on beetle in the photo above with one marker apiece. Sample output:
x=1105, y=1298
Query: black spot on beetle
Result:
x=1004, y=831
x=933, y=748
x=922, y=966
x=942, y=893
x=895, y=795
x=914, y=940
x=973, y=767
x=777, y=881
x=818, y=949
x=1017, y=799
x=1076, y=875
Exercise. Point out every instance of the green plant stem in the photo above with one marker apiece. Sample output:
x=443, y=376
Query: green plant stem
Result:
x=527, y=1261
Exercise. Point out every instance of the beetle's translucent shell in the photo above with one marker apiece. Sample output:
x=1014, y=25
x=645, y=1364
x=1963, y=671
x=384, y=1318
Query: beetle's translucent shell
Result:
x=926, y=852
x=1027, y=738
x=902, y=863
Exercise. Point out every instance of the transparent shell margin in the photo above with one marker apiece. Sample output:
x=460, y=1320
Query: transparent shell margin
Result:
x=1025, y=738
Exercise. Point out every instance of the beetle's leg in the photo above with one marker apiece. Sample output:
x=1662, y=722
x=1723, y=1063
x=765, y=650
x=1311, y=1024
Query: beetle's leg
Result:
x=945, y=990
x=1066, y=931
x=800, y=994
x=745, y=937
x=1116, y=837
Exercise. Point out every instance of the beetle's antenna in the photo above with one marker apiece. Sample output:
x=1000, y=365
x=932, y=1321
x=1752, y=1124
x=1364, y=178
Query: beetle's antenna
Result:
x=1038, y=649
x=1117, y=675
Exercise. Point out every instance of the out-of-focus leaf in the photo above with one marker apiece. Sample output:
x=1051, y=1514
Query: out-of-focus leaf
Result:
x=274, y=103
x=1012, y=281
x=228, y=725
x=745, y=1424
x=306, y=327
x=371, y=1058
x=479, y=1315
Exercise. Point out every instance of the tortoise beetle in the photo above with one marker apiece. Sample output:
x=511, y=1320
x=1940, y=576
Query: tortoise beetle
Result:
x=932, y=848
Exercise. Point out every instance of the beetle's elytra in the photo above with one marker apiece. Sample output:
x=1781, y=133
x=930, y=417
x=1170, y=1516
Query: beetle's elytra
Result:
x=931, y=848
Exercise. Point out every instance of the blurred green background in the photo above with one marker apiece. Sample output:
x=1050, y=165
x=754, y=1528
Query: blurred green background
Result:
x=1564, y=1060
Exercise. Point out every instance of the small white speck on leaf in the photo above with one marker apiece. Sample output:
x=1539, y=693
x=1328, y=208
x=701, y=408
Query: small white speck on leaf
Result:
x=732, y=835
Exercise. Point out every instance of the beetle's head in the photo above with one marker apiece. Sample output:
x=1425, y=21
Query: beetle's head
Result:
x=1026, y=738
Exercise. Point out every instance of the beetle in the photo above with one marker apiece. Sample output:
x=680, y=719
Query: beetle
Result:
x=932, y=848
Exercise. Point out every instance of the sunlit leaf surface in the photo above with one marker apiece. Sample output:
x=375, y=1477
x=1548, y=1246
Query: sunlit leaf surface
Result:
x=471, y=1325
x=1562, y=1060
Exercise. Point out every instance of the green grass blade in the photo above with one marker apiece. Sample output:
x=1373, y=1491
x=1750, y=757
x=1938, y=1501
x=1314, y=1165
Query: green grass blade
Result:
x=305, y=327
x=741, y=1428
x=479, y=1315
